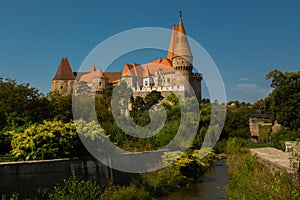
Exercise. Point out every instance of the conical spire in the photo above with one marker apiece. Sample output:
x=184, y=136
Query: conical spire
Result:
x=182, y=47
x=172, y=42
x=64, y=71
x=181, y=27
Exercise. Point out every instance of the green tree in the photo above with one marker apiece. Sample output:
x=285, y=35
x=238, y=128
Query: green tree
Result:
x=285, y=98
x=60, y=106
x=141, y=106
x=153, y=98
x=20, y=103
x=236, y=123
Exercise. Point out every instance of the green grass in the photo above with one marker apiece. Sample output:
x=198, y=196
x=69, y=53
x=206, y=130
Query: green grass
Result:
x=249, y=179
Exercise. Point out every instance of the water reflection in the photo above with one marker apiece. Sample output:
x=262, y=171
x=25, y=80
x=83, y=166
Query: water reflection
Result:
x=212, y=186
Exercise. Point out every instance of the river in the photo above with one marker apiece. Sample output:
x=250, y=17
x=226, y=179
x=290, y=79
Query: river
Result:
x=212, y=185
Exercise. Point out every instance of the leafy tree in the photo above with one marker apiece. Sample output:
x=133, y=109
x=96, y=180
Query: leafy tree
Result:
x=153, y=98
x=20, y=103
x=103, y=109
x=173, y=99
x=284, y=100
x=60, y=106
x=141, y=106
x=108, y=92
x=236, y=123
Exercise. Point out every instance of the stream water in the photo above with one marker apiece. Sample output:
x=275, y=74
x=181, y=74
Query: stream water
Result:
x=212, y=185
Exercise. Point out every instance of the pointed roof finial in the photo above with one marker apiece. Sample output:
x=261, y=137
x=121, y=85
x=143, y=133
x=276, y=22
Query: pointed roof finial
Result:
x=181, y=47
x=180, y=13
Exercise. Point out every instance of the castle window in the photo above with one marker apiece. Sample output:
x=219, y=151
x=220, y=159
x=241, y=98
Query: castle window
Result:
x=168, y=80
x=61, y=87
x=146, y=82
x=100, y=84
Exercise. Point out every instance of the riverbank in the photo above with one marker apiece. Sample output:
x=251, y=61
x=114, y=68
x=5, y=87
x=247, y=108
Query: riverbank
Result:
x=251, y=179
x=182, y=171
x=211, y=185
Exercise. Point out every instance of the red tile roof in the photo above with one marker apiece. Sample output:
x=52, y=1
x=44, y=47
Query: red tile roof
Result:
x=148, y=69
x=64, y=71
x=113, y=77
x=90, y=76
x=132, y=70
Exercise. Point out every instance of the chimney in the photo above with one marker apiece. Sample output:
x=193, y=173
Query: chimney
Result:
x=93, y=68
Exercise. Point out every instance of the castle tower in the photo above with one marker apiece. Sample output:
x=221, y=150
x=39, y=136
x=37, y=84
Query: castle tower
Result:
x=182, y=58
x=64, y=78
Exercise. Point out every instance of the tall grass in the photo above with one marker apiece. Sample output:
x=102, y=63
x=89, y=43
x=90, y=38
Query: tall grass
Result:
x=250, y=179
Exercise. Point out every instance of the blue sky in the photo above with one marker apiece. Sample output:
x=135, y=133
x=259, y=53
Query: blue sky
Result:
x=246, y=39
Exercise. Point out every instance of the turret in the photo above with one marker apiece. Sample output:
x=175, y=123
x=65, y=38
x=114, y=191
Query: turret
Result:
x=64, y=78
x=182, y=57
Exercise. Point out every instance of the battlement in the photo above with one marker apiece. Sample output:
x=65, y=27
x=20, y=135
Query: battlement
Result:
x=197, y=76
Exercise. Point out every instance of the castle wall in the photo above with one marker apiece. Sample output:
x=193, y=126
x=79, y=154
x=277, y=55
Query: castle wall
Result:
x=64, y=87
x=196, y=85
x=99, y=85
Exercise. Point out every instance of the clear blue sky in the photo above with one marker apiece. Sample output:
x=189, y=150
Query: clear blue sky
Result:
x=246, y=39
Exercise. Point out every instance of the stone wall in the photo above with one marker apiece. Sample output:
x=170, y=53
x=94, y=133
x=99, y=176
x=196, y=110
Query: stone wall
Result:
x=64, y=87
x=256, y=123
x=29, y=176
x=274, y=159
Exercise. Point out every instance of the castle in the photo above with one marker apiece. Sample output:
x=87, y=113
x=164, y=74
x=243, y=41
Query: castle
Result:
x=171, y=74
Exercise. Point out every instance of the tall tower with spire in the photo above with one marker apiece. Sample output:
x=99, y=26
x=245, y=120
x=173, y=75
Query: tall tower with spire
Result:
x=182, y=59
x=182, y=56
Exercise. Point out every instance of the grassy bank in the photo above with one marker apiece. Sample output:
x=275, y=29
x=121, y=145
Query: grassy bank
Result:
x=250, y=179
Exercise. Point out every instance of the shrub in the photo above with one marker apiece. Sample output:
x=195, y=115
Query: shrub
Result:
x=220, y=146
x=163, y=182
x=52, y=139
x=236, y=146
x=131, y=192
x=74, y=188
x=282, y=135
